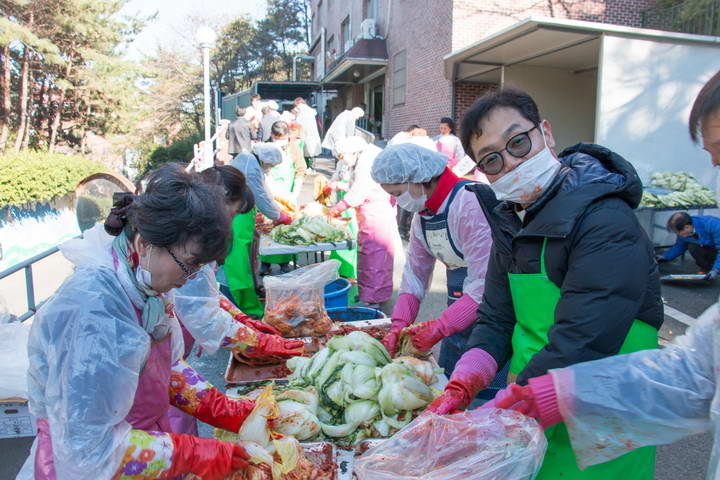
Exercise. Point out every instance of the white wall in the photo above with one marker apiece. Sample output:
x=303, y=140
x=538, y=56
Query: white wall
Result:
x=564, y=98
x=645, y=92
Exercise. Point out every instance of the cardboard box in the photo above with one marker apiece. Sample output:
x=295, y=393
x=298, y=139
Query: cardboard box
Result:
x=15, y=419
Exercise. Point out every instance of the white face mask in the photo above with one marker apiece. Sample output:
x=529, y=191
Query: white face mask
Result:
x=144, y=277
x=410, y=203
x=528, y=180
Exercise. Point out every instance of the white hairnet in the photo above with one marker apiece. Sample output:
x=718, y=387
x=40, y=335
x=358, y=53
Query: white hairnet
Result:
x=273, y=105
x=267, y=153
x=351, y=145
x=407, y=163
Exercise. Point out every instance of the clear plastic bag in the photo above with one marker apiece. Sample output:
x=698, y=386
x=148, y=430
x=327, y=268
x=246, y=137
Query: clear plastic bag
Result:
x=295, y=302
x=486, y=444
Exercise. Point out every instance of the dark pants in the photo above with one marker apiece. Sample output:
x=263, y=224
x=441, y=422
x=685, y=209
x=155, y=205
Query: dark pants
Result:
x=703, y=255
x=452, y=347
x=404, y=219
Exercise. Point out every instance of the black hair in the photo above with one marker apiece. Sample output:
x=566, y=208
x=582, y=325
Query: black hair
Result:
x=507, y=97
x=279, y=129
x=412, y=127
x=177, y=207
x=449, y=122
x=679, y=221
x=240, y=111
x=233, y=181
x=255, y=97
x=265, y=110
x=706, y=103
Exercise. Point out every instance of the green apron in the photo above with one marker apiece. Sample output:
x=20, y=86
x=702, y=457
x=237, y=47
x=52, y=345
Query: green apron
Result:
x=282, y=177
x=534, y=298
x=348, y=257
x=238, y=268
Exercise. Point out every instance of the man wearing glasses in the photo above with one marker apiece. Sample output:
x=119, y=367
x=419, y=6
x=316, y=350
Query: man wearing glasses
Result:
x=572, y=275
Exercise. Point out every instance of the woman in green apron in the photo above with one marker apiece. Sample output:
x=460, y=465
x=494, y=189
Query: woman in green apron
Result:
x=281, y=179
x=239, y=273
x=572, y=275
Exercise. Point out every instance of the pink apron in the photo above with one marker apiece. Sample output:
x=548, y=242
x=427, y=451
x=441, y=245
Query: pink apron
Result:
x=149, y=410
x=377, y=232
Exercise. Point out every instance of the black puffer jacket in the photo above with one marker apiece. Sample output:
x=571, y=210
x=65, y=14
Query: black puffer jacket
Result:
x=597, y=254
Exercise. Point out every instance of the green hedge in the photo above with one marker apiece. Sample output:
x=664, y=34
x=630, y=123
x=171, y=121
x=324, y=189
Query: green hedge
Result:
x=39, y=177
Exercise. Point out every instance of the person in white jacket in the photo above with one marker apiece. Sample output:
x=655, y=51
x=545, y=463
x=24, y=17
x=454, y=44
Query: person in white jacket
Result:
x=342, y=127
x=306, y=117
x=651, y=397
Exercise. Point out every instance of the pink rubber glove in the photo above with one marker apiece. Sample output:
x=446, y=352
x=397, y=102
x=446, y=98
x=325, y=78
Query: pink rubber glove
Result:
x=284, y=219
x=338, y=208
x=473, y=372
x=456, y=318
x=537, y=399
x=404, y=313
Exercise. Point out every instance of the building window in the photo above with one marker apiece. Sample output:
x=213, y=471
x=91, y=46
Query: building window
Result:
x=345, y=35
x=370, y=9
x=399, y=77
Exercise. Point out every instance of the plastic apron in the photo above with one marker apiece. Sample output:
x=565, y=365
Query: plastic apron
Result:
x=238, y=266
x=148, y=412
x=376, y=247
x=535, y=297
x=281, y=176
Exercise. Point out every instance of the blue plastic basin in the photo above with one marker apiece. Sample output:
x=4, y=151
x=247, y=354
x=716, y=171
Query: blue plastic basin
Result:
x=336, y=293
x=354, y=314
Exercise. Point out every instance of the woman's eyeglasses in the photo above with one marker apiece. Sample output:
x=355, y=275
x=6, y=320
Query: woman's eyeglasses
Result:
x=518, y=146
x=189, y=272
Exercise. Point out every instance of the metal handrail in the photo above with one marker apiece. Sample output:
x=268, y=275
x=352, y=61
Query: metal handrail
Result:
x=29, y=284
x=683, y=18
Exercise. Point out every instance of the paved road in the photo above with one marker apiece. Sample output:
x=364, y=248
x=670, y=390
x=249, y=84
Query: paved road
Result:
x=685, y=460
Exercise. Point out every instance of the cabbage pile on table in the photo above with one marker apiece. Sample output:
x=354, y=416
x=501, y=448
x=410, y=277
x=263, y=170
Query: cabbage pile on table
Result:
x=308, y=230
x=352, y=390
x=685, y=191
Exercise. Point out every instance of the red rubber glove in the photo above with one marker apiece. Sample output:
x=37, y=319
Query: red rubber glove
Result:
x=473, y=372
x=537, y=399
x=239, y=316
x=258, y=325
x=455, y=398
x=219, y=411
x=327, y=190
x=284, y=219
x=207, y=458
x=275, y=346
x=425, y=335
x=338, y=208
x=391, y=339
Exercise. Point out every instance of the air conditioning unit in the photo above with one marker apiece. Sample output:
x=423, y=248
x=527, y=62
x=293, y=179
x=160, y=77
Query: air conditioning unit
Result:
x=367, y=28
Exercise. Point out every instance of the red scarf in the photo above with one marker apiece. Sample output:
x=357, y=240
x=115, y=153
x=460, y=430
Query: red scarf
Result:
x=445, y=185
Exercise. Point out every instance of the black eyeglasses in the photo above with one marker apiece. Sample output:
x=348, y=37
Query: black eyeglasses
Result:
x=518, y=146
x=188, y=271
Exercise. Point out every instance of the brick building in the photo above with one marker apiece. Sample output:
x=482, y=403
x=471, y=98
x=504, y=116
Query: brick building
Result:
x=389, y=54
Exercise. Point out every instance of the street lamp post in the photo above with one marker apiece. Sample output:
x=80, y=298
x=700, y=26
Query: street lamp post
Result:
x=206, y=37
